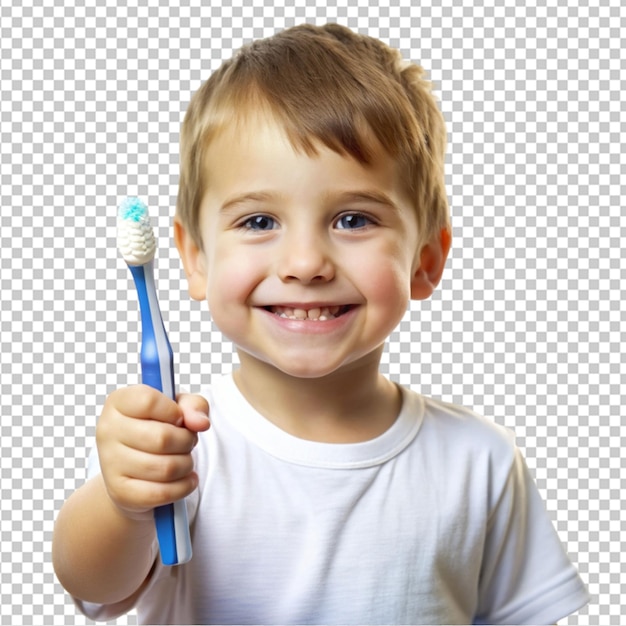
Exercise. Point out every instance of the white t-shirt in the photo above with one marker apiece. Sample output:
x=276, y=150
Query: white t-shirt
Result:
x=436, y=521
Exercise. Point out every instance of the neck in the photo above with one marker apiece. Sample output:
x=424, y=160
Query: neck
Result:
x=348, y=406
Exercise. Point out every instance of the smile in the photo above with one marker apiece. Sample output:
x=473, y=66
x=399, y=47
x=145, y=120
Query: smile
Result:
x=314, y=314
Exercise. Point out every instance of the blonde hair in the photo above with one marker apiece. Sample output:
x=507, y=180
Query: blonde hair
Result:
x=324, y=84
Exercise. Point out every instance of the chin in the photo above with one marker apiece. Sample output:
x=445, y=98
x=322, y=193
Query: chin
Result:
x=294, y=366
x=307, y=371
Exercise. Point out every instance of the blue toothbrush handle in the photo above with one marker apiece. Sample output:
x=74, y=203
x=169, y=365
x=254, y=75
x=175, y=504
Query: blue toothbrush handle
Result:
x=157, y=371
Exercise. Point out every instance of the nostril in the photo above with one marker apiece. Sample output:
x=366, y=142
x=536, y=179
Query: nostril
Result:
x=316, y=278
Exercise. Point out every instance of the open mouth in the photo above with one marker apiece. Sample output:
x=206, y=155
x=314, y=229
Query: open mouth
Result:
x=315, y=314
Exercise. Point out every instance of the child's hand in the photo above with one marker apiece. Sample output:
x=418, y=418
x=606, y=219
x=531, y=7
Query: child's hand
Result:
x=144, y=443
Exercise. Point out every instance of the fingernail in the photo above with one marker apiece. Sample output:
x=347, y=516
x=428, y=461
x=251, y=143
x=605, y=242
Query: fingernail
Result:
x=202, y=415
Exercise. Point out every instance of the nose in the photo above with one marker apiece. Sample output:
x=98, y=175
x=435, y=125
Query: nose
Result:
x=305, y=258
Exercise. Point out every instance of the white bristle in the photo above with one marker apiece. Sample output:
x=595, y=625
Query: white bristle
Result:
x=135, y=237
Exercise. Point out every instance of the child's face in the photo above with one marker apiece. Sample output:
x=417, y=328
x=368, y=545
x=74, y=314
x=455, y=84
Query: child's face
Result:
x=308, y=262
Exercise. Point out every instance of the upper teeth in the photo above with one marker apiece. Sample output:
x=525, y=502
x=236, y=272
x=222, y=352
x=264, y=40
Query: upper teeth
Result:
x=319, y=314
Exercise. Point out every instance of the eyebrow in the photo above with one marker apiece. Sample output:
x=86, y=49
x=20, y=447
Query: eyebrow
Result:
x=370, y=196
x=374, y=196
x=254, y=196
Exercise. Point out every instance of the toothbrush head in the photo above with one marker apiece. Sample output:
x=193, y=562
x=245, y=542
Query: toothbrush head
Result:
x=135, y=237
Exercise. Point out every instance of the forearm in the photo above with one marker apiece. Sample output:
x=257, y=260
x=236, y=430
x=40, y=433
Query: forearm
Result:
x=99, y=554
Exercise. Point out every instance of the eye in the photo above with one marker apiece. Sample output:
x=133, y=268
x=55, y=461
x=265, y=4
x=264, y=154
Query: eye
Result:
x=353, y=221
x=259, y=223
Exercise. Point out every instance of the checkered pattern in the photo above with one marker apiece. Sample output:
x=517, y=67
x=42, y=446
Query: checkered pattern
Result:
x=527, y=326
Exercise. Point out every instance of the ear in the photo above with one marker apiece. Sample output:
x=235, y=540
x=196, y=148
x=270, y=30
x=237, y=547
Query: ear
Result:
x=193, y=260
x=432, y=260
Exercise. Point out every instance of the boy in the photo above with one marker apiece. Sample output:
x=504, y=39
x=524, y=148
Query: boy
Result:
x=311, y=210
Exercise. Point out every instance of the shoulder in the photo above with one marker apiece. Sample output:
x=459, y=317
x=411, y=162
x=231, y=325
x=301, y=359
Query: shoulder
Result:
x=459, y=426
x=463, y=442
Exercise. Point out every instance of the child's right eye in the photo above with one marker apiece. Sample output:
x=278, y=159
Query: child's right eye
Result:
x=259, y=223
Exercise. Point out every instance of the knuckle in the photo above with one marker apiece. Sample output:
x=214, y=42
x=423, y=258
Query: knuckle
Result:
x=163, y=439
x=170, y=439
x=143, y=399
x=169, y=470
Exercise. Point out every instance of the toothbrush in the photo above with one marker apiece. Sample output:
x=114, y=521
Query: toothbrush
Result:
x=137, y=245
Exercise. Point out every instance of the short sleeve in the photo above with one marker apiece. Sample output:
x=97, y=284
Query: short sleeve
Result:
x=526, y=576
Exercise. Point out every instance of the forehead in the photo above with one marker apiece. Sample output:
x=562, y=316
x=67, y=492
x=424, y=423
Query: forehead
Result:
x=248, y=149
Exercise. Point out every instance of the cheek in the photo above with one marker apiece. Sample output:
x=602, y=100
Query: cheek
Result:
x=389, y=293
x=386, y=276
x=231, y=278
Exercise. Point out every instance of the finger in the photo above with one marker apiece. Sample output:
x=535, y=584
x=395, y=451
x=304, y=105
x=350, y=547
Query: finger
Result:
x=158, y=468
x=193, y=402
x=137, y=494
x=195, y=410
x=156, y=437
x=144, y=402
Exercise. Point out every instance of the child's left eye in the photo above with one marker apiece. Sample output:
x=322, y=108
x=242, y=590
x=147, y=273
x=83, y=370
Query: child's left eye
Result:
x=353, y=221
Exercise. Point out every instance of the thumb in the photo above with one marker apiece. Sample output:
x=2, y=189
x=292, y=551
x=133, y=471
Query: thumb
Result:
x=195, y=410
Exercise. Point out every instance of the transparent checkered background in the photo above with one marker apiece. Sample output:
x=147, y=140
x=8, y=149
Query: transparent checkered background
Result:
x=526, y=326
